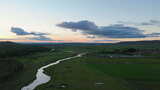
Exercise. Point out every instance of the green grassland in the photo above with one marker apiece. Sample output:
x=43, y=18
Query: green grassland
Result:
x=139, y=70
x=83, y=73
x=142, y=76
x=130, y=73
x=17, y=71
x=76, y=75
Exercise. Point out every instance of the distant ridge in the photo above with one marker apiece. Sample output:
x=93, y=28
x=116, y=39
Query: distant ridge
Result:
x=67, y=44
x=83, y=44
x=140, y=42
x=7, y=42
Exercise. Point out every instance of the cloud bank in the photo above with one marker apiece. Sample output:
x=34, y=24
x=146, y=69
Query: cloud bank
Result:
x=148, y=23
x=111, y=31
x=36, y=35
x=20, y=31
x=40, y=38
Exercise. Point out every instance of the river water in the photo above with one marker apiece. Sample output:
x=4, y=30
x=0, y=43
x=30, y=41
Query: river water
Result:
x=41, y=77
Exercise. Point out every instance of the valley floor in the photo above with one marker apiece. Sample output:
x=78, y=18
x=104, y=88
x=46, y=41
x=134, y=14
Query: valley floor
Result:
x=88, y=73
x=100, y=69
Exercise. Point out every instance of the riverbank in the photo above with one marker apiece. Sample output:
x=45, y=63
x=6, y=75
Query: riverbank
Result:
x=75, y=75
x=31, y=64
x=102, y=68
x=42, y=78
x=91, y=73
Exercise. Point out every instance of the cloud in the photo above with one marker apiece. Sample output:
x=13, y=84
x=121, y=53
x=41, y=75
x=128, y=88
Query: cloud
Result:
x=151, y=22
x=36, y=35
x=154, y=35
x=81, y=25
x=120, y=31
x=20, y=31
x=106, y=40
x=9, y=39
x=91, y=36
x=111, y=31
x=148, y=23
x=40, y=38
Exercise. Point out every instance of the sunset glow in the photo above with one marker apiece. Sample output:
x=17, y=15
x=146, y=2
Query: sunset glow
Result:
x=72, y=21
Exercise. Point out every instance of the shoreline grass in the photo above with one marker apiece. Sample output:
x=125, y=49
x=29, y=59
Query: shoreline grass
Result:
x=31, y=64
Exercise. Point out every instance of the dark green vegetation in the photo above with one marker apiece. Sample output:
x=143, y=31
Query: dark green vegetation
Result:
x=19, y=69
x=9, y=49
x=123, y=66
x=109, y=67
x=9, y=65
x=140, y=73
x=116, y=74
x=76, y=75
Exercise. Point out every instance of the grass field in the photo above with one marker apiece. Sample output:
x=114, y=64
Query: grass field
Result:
x=76, y=75
x=142, y=76
x=31, y=64
x=120, y=74
x=94, y=71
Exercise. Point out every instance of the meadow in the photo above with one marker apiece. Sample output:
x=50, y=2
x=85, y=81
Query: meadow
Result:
x=104, y=67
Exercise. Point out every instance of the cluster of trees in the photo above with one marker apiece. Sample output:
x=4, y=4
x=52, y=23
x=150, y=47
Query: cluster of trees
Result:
x=122, y=51
x=126, y=51
x=132, y=51
x=8, y=65
x=8, y=49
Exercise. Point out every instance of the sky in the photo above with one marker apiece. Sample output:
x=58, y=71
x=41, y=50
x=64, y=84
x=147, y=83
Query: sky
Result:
x=79, y=20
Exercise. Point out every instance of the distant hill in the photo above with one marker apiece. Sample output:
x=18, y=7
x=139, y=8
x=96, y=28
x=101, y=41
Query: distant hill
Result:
x=10, y=49
x=140, y=42
x=90, y=44
x=6, y=42
x=67, y=44
x=79, y=44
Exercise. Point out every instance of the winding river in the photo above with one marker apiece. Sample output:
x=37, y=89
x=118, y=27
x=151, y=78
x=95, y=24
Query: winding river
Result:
x=41, y=77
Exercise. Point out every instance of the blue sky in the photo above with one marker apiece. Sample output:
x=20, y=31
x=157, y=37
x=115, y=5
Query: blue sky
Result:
x=43, y=15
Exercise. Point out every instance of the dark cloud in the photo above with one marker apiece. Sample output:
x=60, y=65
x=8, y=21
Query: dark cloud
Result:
x=20, y=31
x=81, y=25
x=155, y=22
x=107, y=40
x=120, y=31
x=36, y=35
x=40, y=38
x=91, y=36
x=148, y=23
x=154, y=35
x=112, y=31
